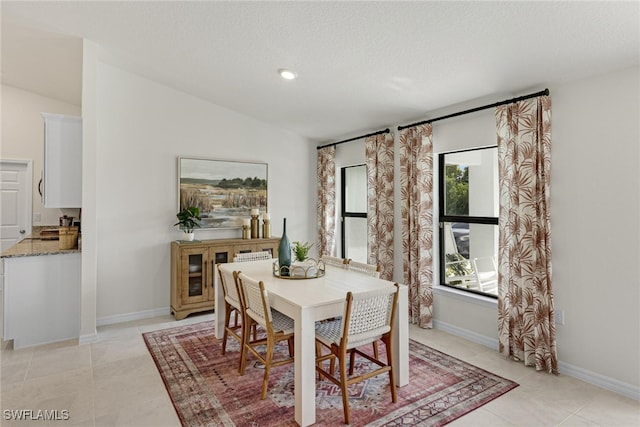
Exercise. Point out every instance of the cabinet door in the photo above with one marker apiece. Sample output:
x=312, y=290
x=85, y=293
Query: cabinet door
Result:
x=196, y=272
x=242, y=248
x=218, y=255
x=221, y=254
x=271, y=247
x=62, y=169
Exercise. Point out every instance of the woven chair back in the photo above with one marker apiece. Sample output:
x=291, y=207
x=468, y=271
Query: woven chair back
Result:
x=336, y=262
x=360, y=267
x=369, y=315
x=252, y=256
x=229, y=288
x=255, y=299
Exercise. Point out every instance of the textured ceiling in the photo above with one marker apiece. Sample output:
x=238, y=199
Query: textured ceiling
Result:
x=362, y=66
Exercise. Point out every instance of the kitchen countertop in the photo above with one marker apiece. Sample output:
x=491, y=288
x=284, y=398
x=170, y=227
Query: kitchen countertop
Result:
x=33, y=245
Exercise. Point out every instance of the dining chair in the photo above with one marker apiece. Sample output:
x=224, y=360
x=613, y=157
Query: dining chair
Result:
x=336, y=262
x=368, y=317
x=252, y=256
x=371, y=270
x=233, y=305
x=278, y=327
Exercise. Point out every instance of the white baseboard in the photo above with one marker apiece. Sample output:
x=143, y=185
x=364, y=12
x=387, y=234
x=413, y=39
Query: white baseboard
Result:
x=625, y=389
x=608, y=383
x=466, y=334
x=120, y=318
x=88, y=338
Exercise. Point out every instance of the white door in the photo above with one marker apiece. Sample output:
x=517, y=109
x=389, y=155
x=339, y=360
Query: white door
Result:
x=15, y=201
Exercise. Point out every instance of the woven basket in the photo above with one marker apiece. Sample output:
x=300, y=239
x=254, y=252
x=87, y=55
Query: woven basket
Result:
x=68, y=237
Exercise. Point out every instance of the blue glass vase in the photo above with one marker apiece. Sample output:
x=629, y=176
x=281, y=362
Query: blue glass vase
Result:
x=284, y=251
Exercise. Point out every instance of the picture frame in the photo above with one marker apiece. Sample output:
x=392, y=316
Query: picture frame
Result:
x=225, y=191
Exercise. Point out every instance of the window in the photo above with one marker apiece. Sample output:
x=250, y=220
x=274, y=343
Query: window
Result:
x=354, y=213
x=468, y=210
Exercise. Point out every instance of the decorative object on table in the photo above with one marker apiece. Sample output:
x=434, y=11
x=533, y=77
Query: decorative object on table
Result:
x=266, y=225
x=255, y=223
x=284, y=251
x=184, y=357
x=225, y=191
x=188, y=220
x=301, y=250
x=246, y=228
x=307, y=269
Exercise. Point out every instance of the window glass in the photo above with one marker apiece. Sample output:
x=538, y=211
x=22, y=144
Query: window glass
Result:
x=355, y=239
x=471, y=183
x=469, y=220
x=355, y=184
x=354, y=213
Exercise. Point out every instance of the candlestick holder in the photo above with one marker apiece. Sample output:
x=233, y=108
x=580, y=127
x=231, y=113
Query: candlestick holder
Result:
x=246, y=233
x=255, y=233
x=266, y=229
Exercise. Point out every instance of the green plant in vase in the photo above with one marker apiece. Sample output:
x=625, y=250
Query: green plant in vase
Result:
x=301, y=250
x=188, y=220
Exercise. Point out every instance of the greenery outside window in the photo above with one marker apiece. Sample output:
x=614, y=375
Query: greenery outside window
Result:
x=468, y=211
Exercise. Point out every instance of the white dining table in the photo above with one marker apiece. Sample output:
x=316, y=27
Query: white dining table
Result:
x=307, y=301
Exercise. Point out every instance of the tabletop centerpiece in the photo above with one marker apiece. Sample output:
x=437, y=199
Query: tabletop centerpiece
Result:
x=302, y=267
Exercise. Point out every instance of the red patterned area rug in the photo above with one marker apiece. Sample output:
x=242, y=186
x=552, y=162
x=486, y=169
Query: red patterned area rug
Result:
x=206, y=389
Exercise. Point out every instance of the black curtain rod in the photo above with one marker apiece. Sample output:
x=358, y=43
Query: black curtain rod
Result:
x=473, y=110
x=357, y=137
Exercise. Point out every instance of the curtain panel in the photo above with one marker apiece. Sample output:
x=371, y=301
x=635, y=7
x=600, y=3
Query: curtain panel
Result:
x=379, y=161
x=326, y=207
x=526, y=329
x=416, y=198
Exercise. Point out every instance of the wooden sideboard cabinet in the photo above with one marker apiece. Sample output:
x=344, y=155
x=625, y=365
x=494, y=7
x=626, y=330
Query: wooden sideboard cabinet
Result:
x=193, y=269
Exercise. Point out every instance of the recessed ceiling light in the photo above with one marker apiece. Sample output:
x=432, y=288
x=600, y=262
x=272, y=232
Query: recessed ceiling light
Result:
x=287, y=74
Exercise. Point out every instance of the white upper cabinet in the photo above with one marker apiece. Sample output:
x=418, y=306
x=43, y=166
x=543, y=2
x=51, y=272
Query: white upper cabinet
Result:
x=62, y=176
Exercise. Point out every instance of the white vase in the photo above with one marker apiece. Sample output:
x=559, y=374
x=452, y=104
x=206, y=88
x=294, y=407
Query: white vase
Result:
x=189, y=236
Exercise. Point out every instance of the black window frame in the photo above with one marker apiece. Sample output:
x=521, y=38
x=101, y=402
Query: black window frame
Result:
x=343, y=203
x=443, y=217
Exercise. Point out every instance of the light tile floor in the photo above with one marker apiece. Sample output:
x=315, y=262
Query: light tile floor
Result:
x=114, y=382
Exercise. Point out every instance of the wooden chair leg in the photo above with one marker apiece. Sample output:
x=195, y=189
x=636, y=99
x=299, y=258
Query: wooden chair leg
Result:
x=352, y=361
x=225, y=335
x=291, y=346
x=392, y=379
x=343, y=387
x=267, y=367
x=243, y=356
x=244, y=332
x=318, y=363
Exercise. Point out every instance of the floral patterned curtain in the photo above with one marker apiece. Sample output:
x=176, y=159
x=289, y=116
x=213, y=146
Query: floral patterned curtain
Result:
x=379, y=155
x=416, y=198
x=525, y=299
x=326, y=200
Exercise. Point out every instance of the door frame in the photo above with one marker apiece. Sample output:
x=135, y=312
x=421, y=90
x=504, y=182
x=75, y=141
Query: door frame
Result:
x=28, y=164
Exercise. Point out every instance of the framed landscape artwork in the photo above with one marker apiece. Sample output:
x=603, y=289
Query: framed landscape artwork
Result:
x=225, y=191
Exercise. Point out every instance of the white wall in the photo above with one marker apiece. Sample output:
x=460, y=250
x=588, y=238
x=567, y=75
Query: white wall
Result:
x=142, y=128
x=23, y=138
x=595, y=204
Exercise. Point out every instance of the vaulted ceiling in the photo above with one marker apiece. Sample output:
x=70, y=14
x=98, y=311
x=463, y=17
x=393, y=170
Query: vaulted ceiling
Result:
x=361, y=65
